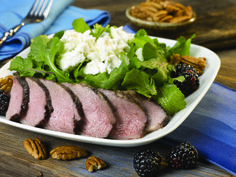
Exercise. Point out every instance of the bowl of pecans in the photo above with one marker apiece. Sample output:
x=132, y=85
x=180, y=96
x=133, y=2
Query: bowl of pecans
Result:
x=161, y=15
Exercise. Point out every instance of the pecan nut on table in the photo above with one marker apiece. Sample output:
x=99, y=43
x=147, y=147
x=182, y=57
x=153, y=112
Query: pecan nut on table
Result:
x=35, y=148
x=68, y=152
x=94, y=163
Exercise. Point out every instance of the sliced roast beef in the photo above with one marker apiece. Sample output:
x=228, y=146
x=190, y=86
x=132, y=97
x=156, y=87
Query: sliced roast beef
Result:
x=65, y=116
x=76, y=101
x=99, y=118
x=131, y=118
x=39, y=106
x=19, y=98
x=157, y=117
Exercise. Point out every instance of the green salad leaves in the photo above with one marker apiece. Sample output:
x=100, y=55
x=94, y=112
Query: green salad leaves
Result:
x=149, y=77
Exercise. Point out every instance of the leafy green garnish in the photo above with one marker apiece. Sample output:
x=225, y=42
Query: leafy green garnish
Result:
x=41, y=60
x=182, y=46
x=23, y=66
x=170, y=98
x=99, y=30
x=59, y=34
x=109, y=81
x=80, y=25
x=139, y=81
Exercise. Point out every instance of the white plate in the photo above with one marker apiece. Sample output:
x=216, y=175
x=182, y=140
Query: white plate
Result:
x=206, y=80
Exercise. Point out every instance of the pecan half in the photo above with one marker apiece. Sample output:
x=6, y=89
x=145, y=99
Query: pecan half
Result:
x=6, y=83
x=68, y=152
x=179, y=19
x=94, y=163
x=198, y=63
x=35, y=148
x=166, y=18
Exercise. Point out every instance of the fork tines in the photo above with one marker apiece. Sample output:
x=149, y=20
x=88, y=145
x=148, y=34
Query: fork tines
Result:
x=41, y=8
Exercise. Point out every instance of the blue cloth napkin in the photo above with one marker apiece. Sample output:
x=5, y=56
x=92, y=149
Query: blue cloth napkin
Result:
x=211, y=127
x=90, y=16
x=60, y=18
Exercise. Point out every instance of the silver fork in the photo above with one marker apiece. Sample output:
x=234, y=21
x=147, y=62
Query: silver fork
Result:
x=37, y=13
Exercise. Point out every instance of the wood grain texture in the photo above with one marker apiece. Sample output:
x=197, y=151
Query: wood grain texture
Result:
x=215, y=27
x=227, y=72
x=15, y=160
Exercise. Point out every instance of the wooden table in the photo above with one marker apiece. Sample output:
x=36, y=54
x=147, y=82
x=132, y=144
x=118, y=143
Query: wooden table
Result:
x=220, y=37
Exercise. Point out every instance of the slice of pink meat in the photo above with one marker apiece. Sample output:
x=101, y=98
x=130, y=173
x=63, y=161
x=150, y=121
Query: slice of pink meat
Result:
x=130, y=118
x=65, y=117
x=39, y=106
x=19, y=98
x=157, y=117
x=99, y=118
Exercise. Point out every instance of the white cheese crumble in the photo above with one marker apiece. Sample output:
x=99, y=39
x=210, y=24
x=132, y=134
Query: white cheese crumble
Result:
x=103, y=53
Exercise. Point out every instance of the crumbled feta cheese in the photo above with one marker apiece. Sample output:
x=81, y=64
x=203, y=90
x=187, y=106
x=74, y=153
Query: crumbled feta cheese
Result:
x=74, y=40
x=112, y=62
x=94, y=67
x=70, y=59
x=103, y=53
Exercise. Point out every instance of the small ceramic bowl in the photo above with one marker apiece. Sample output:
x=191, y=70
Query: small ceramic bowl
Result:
x=159, y=26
